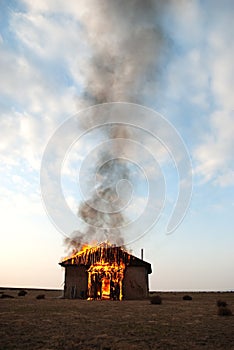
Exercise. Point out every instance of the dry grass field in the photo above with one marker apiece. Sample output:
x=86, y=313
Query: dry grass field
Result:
x=54, y=323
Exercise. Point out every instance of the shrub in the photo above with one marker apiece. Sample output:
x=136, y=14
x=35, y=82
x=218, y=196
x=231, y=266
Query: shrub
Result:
x=22, y=293
x=7, y=296
x=221, y=303
x=224, y=311
x=157, y=300
x=187, y=297
x=40, y=296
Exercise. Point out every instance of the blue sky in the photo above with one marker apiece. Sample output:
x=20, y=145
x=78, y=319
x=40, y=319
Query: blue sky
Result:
x=42, y=50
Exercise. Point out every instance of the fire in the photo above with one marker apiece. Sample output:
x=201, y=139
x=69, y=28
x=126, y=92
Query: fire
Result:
x=105, y=281
x=105, y=267
x=84, y=248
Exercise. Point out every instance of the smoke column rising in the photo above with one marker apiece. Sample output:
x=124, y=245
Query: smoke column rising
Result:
x=124, y=47
x=126, y=44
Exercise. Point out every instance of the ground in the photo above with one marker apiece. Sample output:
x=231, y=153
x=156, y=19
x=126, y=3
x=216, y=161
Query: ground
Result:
x=55, y=323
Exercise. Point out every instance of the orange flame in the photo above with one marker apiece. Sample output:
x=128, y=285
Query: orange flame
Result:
x=105, y=266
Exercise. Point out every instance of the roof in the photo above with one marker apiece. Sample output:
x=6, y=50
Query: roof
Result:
x=104, y=254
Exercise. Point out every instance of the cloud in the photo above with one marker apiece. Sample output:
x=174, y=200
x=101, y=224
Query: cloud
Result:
x=214, y=155
x=199, y=85
x=36, y=99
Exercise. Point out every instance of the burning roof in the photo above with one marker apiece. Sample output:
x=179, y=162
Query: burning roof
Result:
x=104, y=253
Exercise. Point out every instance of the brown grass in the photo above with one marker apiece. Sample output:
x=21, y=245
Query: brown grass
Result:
x=53, y=323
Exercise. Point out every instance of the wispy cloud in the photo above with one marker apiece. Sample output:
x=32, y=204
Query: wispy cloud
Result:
x=199, y=83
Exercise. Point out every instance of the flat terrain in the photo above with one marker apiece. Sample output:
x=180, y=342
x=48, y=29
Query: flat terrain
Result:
x=54, y=323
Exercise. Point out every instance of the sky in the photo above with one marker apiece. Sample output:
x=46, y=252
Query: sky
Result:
x=46, y=64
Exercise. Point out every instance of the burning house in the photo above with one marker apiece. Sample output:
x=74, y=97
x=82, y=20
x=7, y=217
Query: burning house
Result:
x=105, y=272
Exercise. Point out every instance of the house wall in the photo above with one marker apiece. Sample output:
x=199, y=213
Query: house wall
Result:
x=76, y=282
x=135, y=283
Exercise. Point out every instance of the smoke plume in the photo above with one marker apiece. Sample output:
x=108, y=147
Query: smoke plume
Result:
x=124, y=44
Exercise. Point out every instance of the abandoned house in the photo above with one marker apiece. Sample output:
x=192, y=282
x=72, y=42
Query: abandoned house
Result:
x=105, y=272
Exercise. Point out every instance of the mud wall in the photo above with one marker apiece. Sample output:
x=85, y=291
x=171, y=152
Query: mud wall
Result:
x=135, y=283
x=76, y=282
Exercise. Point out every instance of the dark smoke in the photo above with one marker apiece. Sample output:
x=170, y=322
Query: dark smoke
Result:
x=125, y=45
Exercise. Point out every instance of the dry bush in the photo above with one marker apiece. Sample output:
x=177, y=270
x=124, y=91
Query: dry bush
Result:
x=224, y=311
x=187, y=297
x=156, y=299
x=40, y=296
x=22, y=293
x=7, y=296
x=221, y=303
